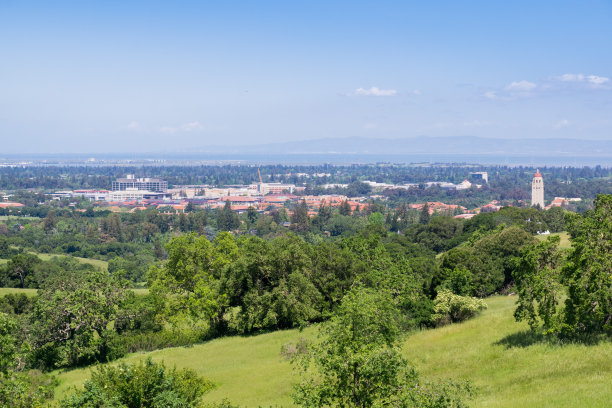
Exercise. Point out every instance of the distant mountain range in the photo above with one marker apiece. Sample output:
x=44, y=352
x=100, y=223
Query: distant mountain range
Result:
x=456, y=145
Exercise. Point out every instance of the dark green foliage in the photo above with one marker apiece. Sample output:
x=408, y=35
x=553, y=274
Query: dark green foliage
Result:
x=345, y=208
x=424, y=215
x=300, y=220
x=16, y=304
x=133, y=268
x=271, y=284
x=436, y=234
x=459, y=281
x=21, y=266
x=143, y=385
x=8, y=348
x=587, y=274
x=490, y=259
x=188, y=282
x=26, y=389
x=543, y=279
x=555, y=219
x=71, y=319
x=357, y=362
x=19, y=389
x=227, y=220
x=537, y=278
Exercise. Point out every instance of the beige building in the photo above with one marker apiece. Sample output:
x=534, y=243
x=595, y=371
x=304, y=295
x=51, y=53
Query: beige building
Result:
x=537, y=190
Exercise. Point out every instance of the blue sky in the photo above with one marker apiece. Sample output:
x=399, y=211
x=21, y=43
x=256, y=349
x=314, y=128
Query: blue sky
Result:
x=167, y=76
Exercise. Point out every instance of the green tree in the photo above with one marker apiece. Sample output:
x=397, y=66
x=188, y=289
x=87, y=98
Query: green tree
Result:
x=189, y=281
x=537, y=278
x=300, y=220
x=252, y=216
x=50, y=222
x=587, y=274
x=227, y=219
x=71, y=320
x=345, y=208
x=8, y=347
x=143, y=385
x=22, y=266
x=357, y=362
x=424, y=216
x=270, y=285
x=18, y=389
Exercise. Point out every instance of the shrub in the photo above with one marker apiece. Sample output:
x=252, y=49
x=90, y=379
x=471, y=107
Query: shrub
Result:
x=451, y=308
x=143, y=385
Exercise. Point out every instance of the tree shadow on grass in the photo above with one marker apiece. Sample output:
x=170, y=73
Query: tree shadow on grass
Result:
x=526, y=338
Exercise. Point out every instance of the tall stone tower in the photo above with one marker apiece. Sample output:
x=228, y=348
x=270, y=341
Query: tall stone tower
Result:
x=537, y=190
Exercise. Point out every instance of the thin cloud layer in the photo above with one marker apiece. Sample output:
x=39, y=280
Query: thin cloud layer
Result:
x=522, y=86
x=591, y=79
x=375, y=91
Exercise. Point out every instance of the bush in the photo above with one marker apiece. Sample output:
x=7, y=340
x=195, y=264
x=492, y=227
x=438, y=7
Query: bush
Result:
x=451, y=308
x=143, y=385
x=132, y=342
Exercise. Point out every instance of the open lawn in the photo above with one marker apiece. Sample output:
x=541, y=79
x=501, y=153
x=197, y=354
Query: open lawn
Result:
x=15, y=217
x=45, y=257
x=565, y=242
x=32, y=292
x=496, y=354
x=95, y=262
x=6, y=291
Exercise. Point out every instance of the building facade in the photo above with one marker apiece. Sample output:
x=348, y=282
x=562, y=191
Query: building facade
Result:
x=537, y=190
x=132, y=183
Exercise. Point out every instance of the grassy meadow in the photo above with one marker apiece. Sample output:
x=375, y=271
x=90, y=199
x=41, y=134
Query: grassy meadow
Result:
x=6, y=291
x=95, y=262
x=45, y=257
x=508, y=367
x=565, y=239
x=32, y=292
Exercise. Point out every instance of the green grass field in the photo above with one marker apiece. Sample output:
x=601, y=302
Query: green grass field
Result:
x=45, y=257
x=32, y=292
x=6, y=291
x=491, y=351
x=565, y=242
x=15, y=217
x=95, y=262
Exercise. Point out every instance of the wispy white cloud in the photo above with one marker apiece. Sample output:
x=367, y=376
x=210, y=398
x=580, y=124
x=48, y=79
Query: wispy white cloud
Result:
x=375, y=91
x=491, y=95
x=562, y=123
x=597, y=80
x=514, y=90
x=521, y=86
x=594, y=80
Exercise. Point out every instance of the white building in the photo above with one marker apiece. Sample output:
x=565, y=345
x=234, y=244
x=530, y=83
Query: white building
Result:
x=537, y=190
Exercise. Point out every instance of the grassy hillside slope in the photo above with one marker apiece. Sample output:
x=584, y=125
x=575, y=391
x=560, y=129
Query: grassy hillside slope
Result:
x=509, y=367
x=496, y=354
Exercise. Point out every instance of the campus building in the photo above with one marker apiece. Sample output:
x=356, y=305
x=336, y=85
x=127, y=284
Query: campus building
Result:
x=130, y=182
